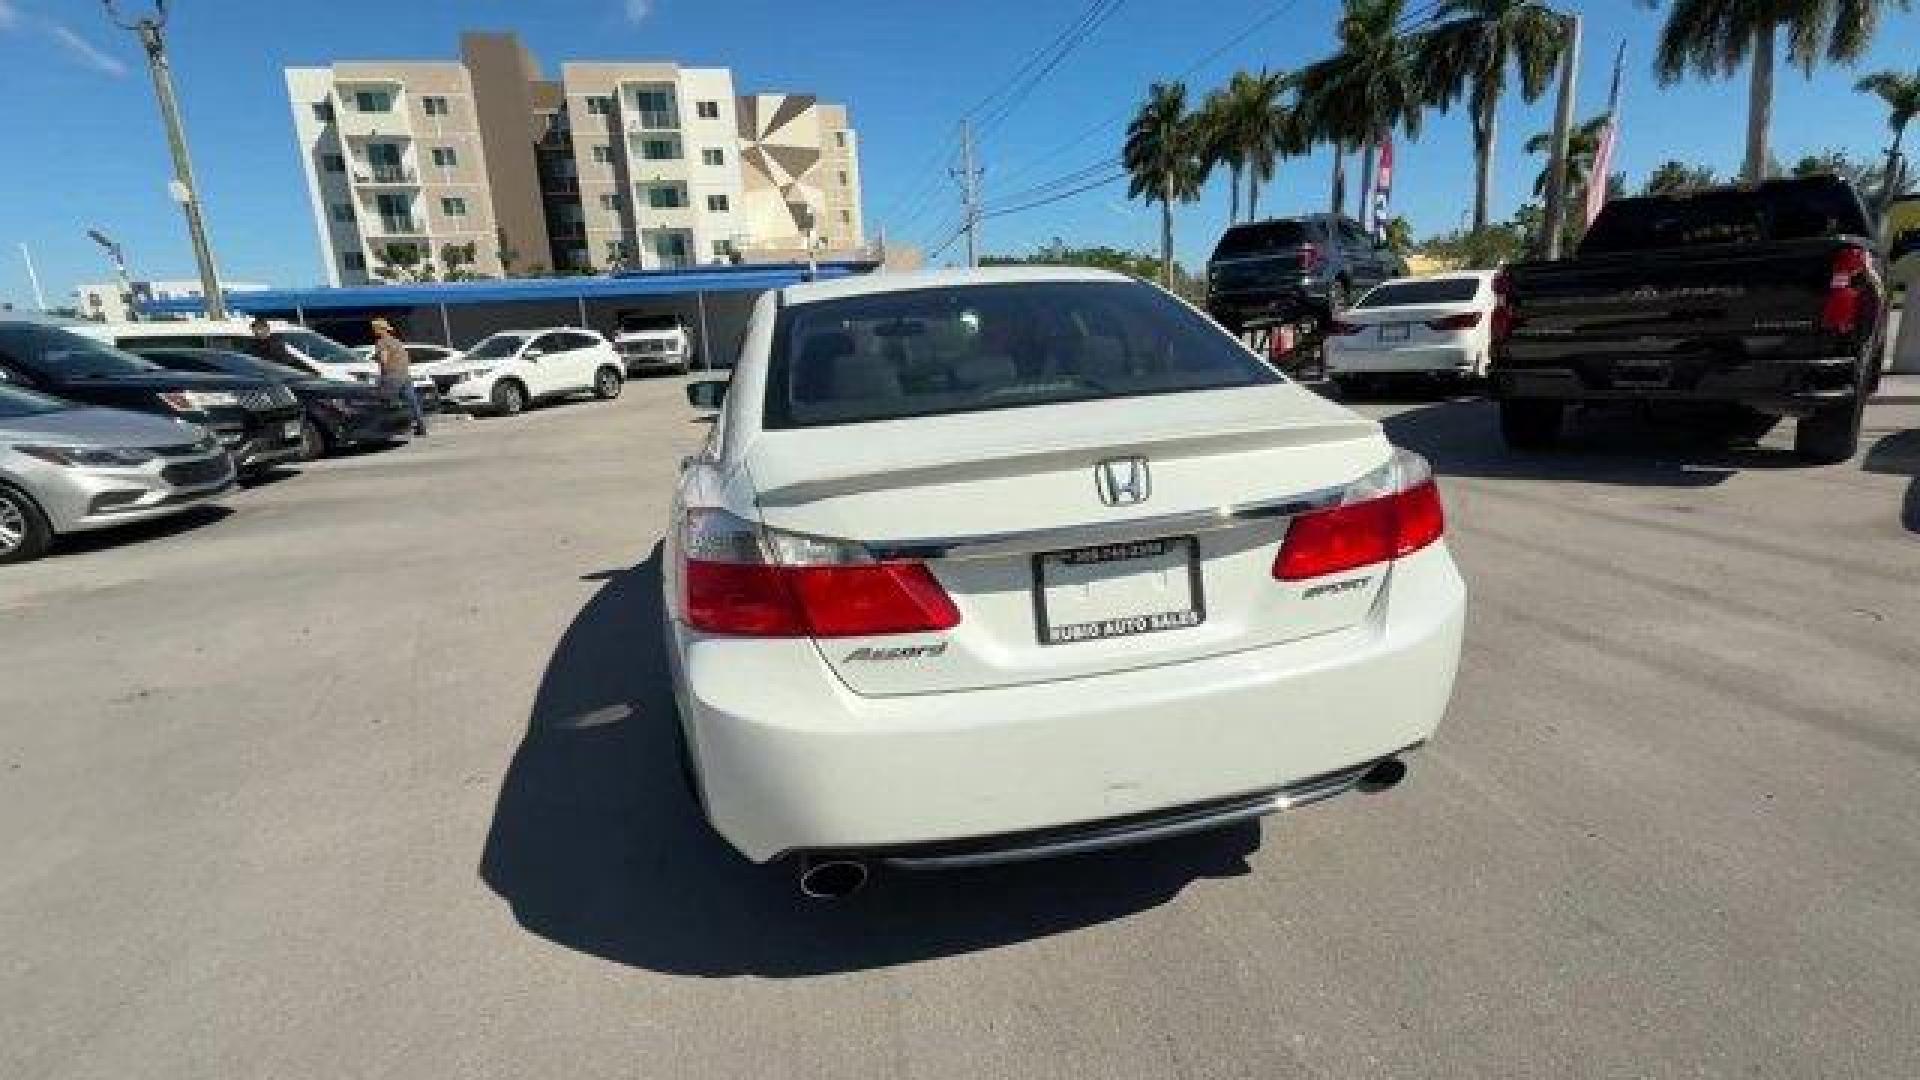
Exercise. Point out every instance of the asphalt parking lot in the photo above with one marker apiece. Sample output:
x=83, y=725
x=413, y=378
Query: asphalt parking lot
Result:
x=372, y=775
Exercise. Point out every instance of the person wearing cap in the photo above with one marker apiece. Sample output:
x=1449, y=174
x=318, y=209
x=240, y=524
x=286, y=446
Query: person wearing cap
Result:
x=396, y=378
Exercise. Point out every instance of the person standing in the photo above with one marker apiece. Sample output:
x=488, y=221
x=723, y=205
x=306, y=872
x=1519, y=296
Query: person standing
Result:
x=396, y=376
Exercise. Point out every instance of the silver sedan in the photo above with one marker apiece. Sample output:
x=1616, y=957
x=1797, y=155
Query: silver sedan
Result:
x=67, y=469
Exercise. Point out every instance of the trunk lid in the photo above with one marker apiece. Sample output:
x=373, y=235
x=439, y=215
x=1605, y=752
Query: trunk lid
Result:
x=984, y=497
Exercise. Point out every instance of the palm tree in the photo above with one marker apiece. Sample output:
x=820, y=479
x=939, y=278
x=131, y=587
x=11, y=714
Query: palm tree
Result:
x=1902, y=95
x=1248, y=127
x=1713, y=38
x=1370, y=86
x=1470, y=52
x=1164, y=156
x=1583, y=145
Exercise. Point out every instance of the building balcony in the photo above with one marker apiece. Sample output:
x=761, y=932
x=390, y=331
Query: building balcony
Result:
x=385, y=175
x=389, y=225
x=354, y=124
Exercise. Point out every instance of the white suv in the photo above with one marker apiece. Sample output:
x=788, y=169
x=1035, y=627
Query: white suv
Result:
x=512, y=369
x=663, y=349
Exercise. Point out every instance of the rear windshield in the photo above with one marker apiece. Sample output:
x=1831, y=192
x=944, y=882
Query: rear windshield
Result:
x=973, y=348
x=1412, y=293
x=1775, y=212
x=1261, y=238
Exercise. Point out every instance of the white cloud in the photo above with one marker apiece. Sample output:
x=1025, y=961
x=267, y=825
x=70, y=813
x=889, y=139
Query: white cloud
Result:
x=8, y=15
x=86, y=51
x=637, y=10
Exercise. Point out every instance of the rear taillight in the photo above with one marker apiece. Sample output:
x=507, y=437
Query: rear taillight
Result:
x=1392, y=512
x=1344, y=329
x=1466, y=320
x=744, y=581
x=1852, y=269
x=1503, y=315
x=1311, y=257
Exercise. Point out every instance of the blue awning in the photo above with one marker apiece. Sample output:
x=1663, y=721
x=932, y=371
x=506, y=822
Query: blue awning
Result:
x=455, y=293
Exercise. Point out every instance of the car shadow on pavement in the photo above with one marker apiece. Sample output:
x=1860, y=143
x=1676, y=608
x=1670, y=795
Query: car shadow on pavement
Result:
x=188, y=520
x=1898, y=454
x=597, y=846
x=1462, y=438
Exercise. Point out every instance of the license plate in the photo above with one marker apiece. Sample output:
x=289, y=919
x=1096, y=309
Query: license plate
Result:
x=290, y=429
x=1395, y=331
x=1118, y=590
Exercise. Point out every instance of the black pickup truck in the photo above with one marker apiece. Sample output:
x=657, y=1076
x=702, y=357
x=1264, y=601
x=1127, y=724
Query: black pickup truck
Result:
x=1746, y=303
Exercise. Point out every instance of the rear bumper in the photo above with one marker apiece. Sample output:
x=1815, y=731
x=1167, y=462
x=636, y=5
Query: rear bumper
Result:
x=640, y=363
x=1449, y=359
x=790, y=760
x=1789, y=388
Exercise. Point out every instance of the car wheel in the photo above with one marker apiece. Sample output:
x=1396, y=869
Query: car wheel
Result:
x=1531, y=425
x=24, y=533
x=313, y=441
x=607, y=383
x=1831, y=434
x=509, y=398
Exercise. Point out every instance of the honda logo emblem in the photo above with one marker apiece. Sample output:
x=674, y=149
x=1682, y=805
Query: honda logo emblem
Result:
x=1123, y=481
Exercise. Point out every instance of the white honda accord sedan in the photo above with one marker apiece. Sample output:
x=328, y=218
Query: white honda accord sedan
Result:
x=988, y=565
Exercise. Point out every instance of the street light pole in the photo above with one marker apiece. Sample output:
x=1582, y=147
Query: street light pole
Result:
x=150, y=32
x=1562, y=134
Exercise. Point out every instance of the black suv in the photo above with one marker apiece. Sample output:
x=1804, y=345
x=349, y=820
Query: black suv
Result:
x=257, y=421
x=1294, y=268
x=339, y=414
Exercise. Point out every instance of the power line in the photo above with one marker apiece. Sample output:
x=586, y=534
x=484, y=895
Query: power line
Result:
x=1096, y=16
x=1068, y=194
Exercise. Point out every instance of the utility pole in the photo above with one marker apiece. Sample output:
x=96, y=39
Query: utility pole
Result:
x=969, y=177
x=1562, y=134
x=150, y=32
x=33, y=277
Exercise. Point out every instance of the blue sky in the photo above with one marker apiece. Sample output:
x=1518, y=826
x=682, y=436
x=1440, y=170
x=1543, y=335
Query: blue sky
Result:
x=80, y=117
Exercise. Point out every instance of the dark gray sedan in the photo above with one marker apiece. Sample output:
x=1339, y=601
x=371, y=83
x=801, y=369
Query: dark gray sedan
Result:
x=67, y=469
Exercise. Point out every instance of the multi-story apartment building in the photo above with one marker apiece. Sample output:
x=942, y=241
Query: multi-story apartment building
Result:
x=485, y=166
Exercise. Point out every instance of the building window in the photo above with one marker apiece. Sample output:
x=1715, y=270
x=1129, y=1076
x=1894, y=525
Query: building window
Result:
x=713, y=155
x=342, y=213
x=618, y=251
x=453, y=207
x=708, y=110
x=666, y=196
x=839, y=138
x=435, y=106
x=599, y=105
x=722, y=250
x=323, y=111
x=718, y=204
x=660, y=149
x=445, y=158
x=373, y=101
x=353, y=262
x=334, y=163
x=603, y=154
x=846, y=217
x=843, y=178
x=611, y=200
x=656, y=108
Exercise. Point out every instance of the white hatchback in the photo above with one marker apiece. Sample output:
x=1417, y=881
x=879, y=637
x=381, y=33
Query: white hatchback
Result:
x=989, y=565
x=510, y=370
x=1431, y=326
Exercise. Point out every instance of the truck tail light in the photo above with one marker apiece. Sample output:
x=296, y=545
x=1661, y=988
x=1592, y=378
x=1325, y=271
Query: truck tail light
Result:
x=1852, y=269
x=744, y=581
x=1504, y=319
x=1466, y=320
x=1390, y=513
x=1311, y=258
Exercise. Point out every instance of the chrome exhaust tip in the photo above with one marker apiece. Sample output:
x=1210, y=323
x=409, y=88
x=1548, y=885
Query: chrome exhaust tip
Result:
x=831, y=879
x=1383, y=775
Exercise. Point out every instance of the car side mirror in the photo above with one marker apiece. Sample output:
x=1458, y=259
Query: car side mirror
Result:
x=707, y=395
